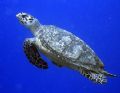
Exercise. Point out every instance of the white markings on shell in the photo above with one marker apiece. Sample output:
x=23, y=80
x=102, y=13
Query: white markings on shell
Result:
x=73, y=51
x=60, y=45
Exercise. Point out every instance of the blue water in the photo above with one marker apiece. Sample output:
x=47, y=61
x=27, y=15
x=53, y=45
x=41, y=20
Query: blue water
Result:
x=95, y=21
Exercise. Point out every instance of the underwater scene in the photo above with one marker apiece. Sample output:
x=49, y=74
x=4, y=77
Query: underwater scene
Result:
x=60, y=46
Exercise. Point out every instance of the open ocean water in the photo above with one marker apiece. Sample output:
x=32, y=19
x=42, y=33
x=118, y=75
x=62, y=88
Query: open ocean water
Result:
x=97, y=22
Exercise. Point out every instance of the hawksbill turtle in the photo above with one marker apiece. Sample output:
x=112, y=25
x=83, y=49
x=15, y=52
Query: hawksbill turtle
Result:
x=63, y=48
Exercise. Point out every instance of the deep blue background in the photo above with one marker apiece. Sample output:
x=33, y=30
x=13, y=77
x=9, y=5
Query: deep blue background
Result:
x=95, y=21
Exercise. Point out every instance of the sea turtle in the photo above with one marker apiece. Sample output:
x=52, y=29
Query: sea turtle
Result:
x=63, y=48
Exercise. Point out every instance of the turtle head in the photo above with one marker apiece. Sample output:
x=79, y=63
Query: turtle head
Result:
x=28, y=21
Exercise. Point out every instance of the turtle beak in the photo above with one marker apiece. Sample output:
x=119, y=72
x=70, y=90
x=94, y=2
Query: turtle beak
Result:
x=22, y=17
x=19, y=15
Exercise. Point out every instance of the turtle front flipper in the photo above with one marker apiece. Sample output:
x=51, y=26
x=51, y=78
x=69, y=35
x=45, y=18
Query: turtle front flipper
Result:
x=33, y=55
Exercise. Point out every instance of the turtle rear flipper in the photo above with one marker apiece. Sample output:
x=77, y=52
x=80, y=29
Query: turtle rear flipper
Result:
x=33, y=55
x=93, y=76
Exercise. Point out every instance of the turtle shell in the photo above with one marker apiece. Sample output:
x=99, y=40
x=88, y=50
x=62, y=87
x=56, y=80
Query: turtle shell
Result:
x=68, y=48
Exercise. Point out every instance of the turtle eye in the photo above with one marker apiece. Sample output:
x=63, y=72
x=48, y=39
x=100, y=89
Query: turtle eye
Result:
x=24, y=16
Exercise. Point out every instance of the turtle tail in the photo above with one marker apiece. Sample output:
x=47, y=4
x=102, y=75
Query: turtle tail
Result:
x=95, y=77
x=108, y=74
